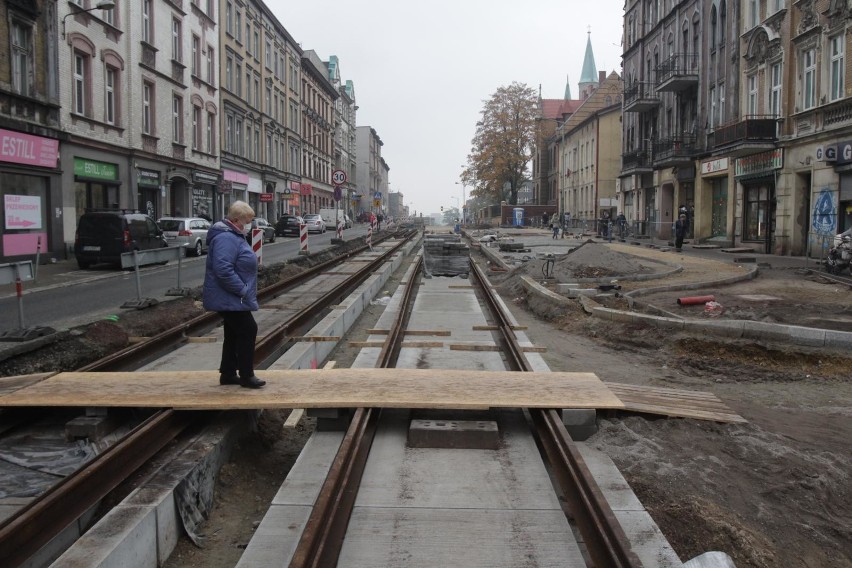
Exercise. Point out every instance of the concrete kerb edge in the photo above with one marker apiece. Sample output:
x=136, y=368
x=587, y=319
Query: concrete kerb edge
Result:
x=798, y=335
x=752, y=273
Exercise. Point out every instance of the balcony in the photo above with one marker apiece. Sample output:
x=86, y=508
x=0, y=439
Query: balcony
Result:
x=679, y=72
x=635, y=162
x=640, y=97
x=674, y=151
x=750, y=135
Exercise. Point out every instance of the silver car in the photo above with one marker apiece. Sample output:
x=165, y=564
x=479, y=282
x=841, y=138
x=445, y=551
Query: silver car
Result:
x=315, y=223
x=188, y=231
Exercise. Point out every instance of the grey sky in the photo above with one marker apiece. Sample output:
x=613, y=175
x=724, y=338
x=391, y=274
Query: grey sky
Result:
x=422, y=70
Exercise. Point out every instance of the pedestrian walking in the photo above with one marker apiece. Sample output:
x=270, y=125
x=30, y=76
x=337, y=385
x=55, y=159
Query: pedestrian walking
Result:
x=230, y=288
x=544, y=219
x=681, y=226
x=554, y=226
x=622, y=224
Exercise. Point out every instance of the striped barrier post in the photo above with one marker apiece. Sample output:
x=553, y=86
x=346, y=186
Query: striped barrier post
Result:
x=303, y=239
x=370, y=236
x=340, y=229
x=257, y=244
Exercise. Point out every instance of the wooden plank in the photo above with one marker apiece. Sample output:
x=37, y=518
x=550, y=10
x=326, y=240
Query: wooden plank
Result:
x=677, y=403
x=335, y=388
x=435, y=332
x=294, y=418
x=485, y=347
x=11, y=384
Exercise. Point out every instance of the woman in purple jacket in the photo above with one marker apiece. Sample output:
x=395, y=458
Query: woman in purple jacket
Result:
x=230, y=288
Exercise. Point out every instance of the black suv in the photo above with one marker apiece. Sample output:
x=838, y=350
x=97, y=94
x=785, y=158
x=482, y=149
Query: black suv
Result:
x=288, y=226
x=103, y=235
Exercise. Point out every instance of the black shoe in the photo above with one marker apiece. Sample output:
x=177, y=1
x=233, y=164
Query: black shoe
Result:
x=252, y=383
x=228, y=380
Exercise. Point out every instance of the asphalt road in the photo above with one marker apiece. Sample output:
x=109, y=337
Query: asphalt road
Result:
x=67, y=296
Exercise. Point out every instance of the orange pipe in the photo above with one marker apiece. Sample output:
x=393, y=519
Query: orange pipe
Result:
x=692, y=300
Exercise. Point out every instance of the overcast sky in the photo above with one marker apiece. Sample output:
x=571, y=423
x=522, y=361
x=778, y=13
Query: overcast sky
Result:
x=422, y=70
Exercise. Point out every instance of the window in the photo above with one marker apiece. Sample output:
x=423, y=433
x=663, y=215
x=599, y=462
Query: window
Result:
x=210, y=4
x=268, y=58
x=269, y=108
x=177, y=119
x=80, y=80
x=268, y=148
x=713, y=122
x=108, y=15
x=177, y=43
x=238, y=137
x=777, y=5
x=809, y=79
x=248, y=141
x=753, y=6
x=248, y=85
x=196, y=54
x=256, y=50
x=211, y=130
x=238, y=74
x=838, y=71
x=721, y=103
x=229, y=22
x=196, y=127
x=147, y=116
x=229, y=133
x=229, y=73
x=775, y=90
x=248, y=37
x=109, y=95
x=211, y=69
x=21, y=58
x=256, y=92
x=147, y=21
x=238, y=25
x=257, y=144
x=751, y=108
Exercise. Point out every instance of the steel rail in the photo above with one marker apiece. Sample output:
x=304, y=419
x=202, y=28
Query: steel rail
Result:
x=22, y=535
x=133, y=356
x=322, y=538
x=603, y=534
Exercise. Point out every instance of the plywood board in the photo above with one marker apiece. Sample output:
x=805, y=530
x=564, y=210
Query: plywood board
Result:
x=674, y=402
x=334, y=388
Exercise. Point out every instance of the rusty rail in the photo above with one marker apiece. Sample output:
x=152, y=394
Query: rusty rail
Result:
x=604, y=537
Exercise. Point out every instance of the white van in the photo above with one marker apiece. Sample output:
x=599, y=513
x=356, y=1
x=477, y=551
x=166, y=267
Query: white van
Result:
x=328, y=216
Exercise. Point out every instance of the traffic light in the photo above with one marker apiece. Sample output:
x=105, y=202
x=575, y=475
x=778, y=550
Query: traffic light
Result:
x=442, y=208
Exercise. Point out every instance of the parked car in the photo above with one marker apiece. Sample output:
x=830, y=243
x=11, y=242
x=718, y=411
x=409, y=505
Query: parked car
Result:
x=268, y=230
x=188, y=231
x=315, y=223
x=288, y=225
x=104, y=235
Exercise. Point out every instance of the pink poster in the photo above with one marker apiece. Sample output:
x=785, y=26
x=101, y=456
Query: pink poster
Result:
x=23, y=243
x=21, y=148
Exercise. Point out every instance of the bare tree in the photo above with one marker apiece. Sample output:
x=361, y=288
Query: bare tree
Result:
x=503, y=144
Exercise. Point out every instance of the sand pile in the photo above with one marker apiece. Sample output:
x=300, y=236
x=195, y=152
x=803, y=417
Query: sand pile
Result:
x=591, y=260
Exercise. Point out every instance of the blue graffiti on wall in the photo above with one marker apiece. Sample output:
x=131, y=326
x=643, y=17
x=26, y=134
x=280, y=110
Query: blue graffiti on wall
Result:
x=825, y=213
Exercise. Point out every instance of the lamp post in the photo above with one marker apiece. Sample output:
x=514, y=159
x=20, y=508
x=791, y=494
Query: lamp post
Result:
x=464, y=203
x=104, y=5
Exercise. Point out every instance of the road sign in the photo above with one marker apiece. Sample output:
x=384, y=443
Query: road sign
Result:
x=377, y=195
x=337, y=193
x=266, y=197
x=338, y=177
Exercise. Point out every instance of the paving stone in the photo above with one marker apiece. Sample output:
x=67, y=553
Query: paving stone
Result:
x=466, y=434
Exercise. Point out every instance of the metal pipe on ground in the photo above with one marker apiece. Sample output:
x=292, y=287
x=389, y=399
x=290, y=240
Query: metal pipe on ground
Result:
x=692, y=300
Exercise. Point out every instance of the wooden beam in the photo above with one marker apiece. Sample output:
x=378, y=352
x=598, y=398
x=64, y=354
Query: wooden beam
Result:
x=487, y=347
x=405, y=344
x=421, y=332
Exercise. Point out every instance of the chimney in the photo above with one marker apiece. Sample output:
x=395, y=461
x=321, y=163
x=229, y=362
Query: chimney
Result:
x=601, y=77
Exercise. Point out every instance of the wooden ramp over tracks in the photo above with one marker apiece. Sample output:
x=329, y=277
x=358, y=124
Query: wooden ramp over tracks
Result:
x=673, y=402
x=335, y=388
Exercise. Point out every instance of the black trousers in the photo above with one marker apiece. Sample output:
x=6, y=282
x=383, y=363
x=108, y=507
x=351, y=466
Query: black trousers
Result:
x=238, y=345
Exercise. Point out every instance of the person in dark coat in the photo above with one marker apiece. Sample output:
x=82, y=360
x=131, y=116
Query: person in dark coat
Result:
x=681, y=227
x=230, y=288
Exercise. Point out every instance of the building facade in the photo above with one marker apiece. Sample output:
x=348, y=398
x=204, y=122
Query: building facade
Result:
x=369, y=173
x=345, y=151
x=30, y=134
x=318, y=99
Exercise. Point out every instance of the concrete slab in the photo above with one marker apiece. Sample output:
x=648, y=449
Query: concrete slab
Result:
x=275, y=540
x=467, y=434
x=413, y=538
x=306, y=477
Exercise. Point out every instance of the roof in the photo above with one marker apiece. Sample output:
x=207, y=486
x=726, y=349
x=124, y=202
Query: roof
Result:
x=556, y=108
x=590, y=72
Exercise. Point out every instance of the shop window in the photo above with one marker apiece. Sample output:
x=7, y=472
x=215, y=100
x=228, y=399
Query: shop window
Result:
x=756, y=212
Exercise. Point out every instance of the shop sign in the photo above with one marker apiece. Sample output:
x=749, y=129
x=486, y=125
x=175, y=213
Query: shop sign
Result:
x=202, y=177
x=148, y=178
x=22, y=211
x=305, y=189
x=95, y=170
x=266, y=197
x=295, y=186
x=713, y=166
x=760, y=163
x=844, y=152
x=238, y=177
x=225, y=186
x=27, y=149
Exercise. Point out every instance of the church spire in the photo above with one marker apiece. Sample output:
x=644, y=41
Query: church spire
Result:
x=589, y=76
x=567, y=88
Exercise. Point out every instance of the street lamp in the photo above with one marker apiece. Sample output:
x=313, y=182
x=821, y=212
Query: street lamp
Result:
x=104, y=5
x=464, y=203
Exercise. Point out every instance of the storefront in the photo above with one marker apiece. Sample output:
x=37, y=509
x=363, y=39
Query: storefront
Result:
x=30, y=184
x=711, y=220
x=148, y=184
x=203, y=194
x=235, y=189
x=96, y=185
x=756, y=174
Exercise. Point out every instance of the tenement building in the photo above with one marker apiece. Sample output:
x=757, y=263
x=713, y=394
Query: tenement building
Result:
x=757, y=147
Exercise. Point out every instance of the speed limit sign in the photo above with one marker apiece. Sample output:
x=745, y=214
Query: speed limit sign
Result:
x=338, y=177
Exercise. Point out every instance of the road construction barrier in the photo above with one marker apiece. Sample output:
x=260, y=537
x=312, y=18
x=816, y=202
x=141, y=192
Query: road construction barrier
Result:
x=18, y=272
x=340, y=229
x=139, y=258
x=370, y=236
x=257, y=244
x=303, y=239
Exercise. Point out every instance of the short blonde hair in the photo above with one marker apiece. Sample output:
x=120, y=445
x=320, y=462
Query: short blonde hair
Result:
x=240, y=210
